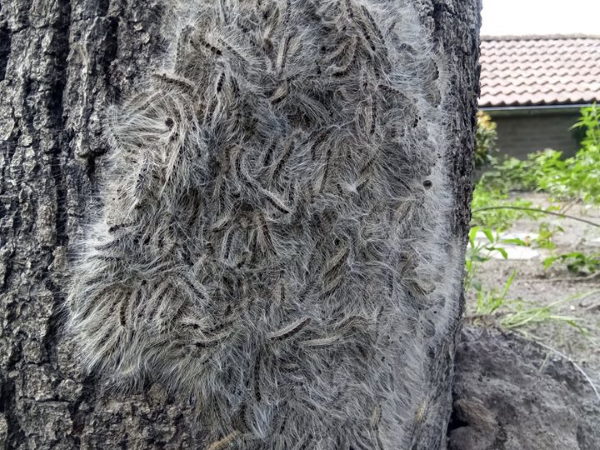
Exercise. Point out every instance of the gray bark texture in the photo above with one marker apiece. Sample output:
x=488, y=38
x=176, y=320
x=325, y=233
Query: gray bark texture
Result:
x=61, y=63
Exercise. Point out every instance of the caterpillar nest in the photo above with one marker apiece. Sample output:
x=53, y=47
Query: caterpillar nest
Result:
x=274, y=237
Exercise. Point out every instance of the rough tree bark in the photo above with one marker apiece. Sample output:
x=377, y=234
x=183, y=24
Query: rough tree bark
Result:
x=61, y=63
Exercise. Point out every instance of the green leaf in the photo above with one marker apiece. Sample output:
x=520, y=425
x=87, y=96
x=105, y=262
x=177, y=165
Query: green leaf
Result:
x=502, y=251
x=488, y=234
x=516, y=241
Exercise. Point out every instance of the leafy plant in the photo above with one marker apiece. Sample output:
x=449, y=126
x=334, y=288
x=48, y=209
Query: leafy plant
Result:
x=589, y=122
x=576, y=262
x=494, y=305
x=486, y=137
x=546, y=233
x=499, y=219
x=521, y=313
x=510, y=174
x=577, y=177
x=495, y=209
x=491, y=300
x=478, y=252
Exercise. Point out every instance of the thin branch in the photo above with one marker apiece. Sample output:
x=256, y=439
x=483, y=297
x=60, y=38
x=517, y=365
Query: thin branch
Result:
x=588, y=278
x=589, y=380
x=543, y=211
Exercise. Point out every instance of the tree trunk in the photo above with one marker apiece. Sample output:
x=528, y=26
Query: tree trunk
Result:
x=61, y=63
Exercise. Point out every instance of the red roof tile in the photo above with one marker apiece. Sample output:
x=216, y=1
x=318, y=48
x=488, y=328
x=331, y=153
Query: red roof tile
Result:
x=539, y=70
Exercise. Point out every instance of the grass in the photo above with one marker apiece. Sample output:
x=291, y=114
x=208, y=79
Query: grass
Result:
x=494, y=306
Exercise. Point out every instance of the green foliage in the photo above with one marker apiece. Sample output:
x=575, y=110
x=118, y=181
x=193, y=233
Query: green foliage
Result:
x=576, y=262
x=486, y=137
x=483, y=242
x=589, y=122
x=489, y=301
x=485, y=196
x=545, y=234
x=480, y=251
x=577, y=177
x=509, y=174
x=495, y=305
x=573, y=178
x=520, y=313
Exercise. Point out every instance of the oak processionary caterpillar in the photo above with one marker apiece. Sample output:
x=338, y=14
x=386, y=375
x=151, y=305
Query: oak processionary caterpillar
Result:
x=254, y=198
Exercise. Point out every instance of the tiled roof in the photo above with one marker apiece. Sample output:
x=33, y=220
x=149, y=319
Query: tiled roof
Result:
x=539, y=70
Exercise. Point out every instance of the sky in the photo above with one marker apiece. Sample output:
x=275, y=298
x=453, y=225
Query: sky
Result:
x=517, y=17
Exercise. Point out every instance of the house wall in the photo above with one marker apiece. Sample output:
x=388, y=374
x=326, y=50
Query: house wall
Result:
x=521, y=134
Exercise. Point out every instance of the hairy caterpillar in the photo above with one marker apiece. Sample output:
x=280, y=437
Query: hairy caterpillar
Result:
x=243, y=197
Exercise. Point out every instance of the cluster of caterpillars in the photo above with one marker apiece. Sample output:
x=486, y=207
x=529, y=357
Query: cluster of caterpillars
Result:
x=262, y=244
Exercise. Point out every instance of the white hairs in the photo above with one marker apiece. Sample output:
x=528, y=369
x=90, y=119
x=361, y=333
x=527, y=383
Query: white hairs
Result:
x=275, y=237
